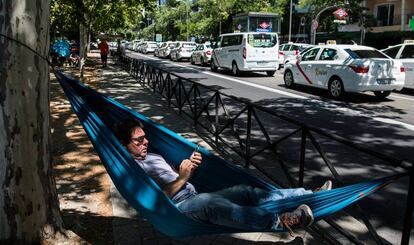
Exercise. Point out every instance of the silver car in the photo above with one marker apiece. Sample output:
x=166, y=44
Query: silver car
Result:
x=182, y=50
x=157, y=49
x=164, y=51
x=202, y=54
x=149, y=47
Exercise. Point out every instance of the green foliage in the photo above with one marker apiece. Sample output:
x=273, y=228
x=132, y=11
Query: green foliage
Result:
x=171, y=18
x=107, y=16
x=356, y=13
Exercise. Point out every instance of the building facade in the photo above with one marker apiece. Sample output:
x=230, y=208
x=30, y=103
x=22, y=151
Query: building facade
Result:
x=390, y=15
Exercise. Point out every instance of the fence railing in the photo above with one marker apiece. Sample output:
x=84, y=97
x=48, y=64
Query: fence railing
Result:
x=237, y=124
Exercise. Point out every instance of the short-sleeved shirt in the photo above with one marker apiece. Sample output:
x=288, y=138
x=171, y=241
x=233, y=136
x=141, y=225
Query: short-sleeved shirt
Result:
x=162, y=173
x=103, y=47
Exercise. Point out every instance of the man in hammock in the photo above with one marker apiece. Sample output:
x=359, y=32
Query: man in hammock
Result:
x=236, y=206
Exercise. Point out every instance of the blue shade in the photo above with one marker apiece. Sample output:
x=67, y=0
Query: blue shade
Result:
x=98, y=115
x=62, y=48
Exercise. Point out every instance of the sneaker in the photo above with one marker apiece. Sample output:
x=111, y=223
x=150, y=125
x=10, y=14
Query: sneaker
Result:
x=301, y=217
x=325, y=187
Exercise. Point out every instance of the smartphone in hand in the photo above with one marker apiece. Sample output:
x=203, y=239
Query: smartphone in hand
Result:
x=196, y=158
x=197, y=148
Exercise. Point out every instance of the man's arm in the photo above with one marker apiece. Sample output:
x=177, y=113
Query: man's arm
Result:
x=187, y=167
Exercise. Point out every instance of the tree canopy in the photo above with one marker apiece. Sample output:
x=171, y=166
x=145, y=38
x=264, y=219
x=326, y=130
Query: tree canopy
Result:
x=107, y=16
x=205, y=18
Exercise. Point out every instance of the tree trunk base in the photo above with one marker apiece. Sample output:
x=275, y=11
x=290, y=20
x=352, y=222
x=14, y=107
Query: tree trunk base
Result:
x=51, y=236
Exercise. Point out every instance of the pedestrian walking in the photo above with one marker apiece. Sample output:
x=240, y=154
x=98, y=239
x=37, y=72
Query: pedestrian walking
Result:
x=104, y=49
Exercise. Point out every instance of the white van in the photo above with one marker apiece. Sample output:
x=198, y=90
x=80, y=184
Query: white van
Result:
x=249, y=51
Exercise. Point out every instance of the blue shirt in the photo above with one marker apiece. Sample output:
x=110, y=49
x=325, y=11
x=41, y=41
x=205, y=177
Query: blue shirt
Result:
x=162, y=173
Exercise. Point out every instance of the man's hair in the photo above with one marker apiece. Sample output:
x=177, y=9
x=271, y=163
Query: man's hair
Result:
x=123, y=130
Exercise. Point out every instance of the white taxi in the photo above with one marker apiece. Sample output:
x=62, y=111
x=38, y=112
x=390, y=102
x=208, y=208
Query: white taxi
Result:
x=182, y=50
x=202, y=54
x=404, y=53
x=346, y=68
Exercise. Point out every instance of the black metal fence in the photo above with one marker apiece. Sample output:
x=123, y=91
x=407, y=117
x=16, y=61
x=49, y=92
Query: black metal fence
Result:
x=256, y=133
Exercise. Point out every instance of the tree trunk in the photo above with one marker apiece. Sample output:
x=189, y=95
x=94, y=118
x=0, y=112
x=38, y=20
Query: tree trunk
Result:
x=29, y=208
x=83, y=47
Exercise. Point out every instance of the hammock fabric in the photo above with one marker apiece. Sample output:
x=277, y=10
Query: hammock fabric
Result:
x=98, y=114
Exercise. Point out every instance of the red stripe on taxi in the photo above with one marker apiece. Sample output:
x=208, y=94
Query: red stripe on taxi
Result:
x=303, y=73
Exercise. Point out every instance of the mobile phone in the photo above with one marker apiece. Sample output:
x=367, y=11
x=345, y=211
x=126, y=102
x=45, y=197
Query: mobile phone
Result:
x=197, y=147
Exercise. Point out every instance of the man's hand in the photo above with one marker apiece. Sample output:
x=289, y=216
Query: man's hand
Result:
x=187, y=167
x=196, y=158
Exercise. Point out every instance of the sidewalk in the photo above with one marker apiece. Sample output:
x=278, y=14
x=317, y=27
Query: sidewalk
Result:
x=89, y=201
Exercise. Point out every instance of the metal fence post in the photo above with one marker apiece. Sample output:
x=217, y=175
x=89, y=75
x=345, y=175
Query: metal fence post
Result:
x=248, y=134
x=405, y=238
x=216, y=121
x=195, y=104
x=302, y=156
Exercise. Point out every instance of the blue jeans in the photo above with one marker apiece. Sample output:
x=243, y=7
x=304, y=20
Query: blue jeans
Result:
x=237, y=207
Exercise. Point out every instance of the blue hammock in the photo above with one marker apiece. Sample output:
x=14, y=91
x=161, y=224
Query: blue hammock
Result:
x=98, y=114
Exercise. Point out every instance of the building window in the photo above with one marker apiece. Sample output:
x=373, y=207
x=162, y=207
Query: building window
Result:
x=385, y=15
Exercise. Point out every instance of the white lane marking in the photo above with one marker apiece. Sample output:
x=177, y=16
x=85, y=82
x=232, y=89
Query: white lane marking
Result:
x=395, y=122
x=401, y=97
x=325, y=104
x=256, y=85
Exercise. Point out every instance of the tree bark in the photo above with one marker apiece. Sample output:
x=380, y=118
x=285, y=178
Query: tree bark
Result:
x=83, y=39
x=29, y=209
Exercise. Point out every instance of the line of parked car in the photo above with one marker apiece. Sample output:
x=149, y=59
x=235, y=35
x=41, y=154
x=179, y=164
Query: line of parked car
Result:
x=340, y=69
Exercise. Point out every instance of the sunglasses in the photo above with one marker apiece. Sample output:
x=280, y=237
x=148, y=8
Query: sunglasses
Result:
x=139, y=140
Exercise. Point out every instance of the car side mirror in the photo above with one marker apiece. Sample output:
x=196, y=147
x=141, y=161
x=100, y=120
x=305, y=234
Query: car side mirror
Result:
x=299, y=57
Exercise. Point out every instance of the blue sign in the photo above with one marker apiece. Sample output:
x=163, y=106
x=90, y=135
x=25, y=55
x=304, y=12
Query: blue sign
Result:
x=263, y=30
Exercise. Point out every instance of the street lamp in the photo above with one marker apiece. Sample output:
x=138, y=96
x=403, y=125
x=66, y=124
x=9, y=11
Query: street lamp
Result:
x=145, y=24
x=186, y=12
x=290, y=20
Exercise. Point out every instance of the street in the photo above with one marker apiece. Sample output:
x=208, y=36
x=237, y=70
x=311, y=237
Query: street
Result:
x=386, y=124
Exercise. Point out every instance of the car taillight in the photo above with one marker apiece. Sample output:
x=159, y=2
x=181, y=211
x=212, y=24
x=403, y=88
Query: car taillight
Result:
x=360, y=69
x=281, y=53
x=244, y=53
x=208, y=52
x=402, y=69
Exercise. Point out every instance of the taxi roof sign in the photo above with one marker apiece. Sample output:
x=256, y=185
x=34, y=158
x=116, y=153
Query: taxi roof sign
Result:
x=409, y=42
x=331, y=42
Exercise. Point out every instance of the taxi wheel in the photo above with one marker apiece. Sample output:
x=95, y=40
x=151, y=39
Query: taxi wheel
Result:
x=213, y=66
x=270, y=73
x=288, y=79
x=382, y=94
x=336, y=88
x=192, y=60
x=234, y=69
x=202, y=63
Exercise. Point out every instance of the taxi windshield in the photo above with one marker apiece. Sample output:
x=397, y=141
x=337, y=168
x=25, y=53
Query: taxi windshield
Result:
x=365, y=54
x=262, y=40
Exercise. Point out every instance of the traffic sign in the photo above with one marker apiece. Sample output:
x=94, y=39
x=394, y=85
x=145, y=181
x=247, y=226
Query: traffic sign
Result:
x=340, y=14
x=264, y=25
x=158, y=37
x=411, y=23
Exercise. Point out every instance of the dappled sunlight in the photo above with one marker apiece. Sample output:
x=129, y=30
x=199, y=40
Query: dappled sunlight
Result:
x=81, y=179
